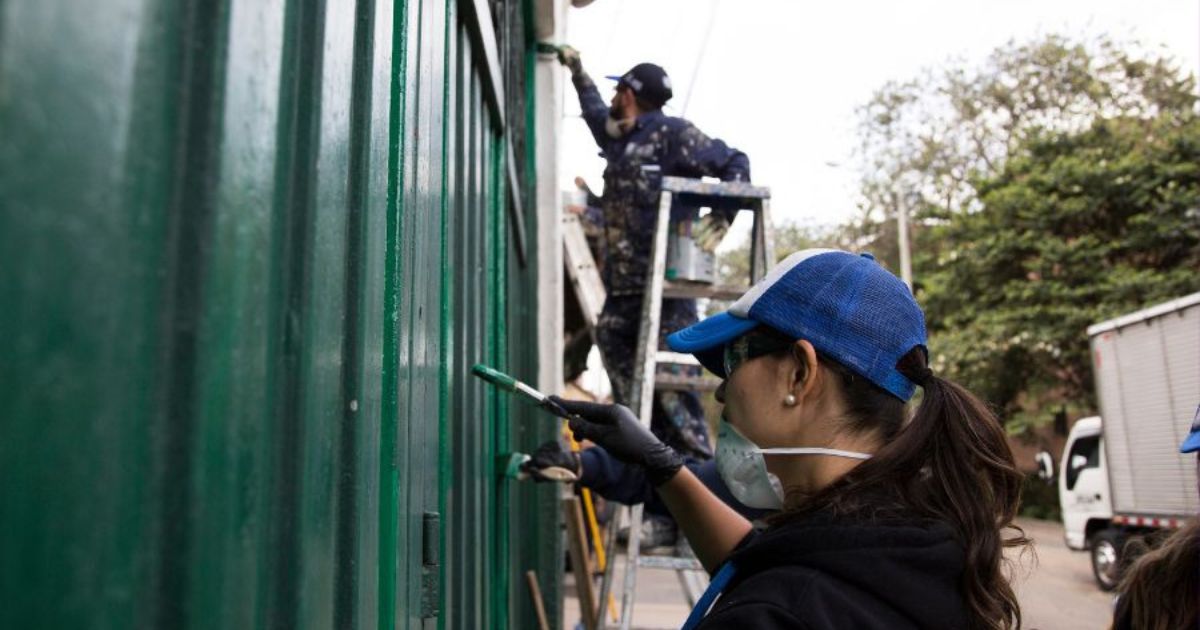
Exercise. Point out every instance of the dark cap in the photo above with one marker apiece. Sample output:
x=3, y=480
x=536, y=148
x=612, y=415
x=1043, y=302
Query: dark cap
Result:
x=648, y=81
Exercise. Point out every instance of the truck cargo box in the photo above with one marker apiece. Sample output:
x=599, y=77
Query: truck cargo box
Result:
x=1147, y=370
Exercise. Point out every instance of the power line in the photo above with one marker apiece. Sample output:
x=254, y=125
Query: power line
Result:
x=712, y=15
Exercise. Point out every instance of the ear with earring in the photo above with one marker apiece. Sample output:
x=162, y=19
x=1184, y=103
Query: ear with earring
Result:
x=790, y=399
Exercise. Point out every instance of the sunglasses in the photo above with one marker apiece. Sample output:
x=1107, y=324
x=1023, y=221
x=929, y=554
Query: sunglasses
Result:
x=757, y=343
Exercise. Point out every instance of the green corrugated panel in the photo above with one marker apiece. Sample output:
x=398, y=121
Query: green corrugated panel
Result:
x=80, y=219
x=250, y=251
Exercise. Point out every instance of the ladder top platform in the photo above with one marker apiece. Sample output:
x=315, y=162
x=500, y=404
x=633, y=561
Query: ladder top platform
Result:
x=700, y=188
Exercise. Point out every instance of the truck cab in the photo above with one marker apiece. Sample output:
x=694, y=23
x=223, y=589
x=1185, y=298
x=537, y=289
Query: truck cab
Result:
x=1083, y=495
x=1083, y=483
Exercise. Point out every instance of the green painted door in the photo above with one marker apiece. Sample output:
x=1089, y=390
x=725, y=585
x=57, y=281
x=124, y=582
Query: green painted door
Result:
x=249, y=251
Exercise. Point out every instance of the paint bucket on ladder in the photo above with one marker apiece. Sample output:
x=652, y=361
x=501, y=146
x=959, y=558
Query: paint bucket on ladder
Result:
x=685, y=260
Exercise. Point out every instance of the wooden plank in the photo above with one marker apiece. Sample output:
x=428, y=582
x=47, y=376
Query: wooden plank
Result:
x=577, y=546
x=581, y=268
x=539, y=606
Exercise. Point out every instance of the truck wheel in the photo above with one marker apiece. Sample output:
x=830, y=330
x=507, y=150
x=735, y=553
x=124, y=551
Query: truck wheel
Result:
x=1106, y=559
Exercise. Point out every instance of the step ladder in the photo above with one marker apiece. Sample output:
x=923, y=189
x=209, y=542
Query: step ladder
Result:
x=660, y=369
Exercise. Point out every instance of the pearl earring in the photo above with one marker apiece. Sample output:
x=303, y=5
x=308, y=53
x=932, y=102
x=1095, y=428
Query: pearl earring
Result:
x=789, y=400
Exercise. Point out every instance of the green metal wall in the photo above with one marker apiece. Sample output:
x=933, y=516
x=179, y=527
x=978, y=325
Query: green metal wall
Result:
x=248, y=252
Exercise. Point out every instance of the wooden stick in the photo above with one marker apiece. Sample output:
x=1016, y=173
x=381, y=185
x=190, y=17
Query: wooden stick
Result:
x=577, y=545
x=539, y=606
x=589, y=508
x=593, y=525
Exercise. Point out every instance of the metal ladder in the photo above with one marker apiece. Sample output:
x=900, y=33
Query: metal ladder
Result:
x=681, y=371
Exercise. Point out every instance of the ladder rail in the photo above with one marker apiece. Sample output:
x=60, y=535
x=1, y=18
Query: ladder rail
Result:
x=585, y=279
x=606, y=582
x=644, y=369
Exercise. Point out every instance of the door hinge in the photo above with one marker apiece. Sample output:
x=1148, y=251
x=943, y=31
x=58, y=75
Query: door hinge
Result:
x=430, y=569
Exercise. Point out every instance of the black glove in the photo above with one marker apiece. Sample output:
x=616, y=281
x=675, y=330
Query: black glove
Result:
x=620, y=433
x=552, y=455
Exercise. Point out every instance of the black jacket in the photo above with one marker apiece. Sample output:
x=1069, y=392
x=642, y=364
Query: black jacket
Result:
x=822, y=572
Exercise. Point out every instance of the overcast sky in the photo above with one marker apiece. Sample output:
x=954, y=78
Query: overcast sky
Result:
x=780, y=79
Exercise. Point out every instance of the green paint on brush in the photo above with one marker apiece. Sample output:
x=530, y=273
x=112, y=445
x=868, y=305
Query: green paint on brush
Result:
x=495, y=377
x=547, y=48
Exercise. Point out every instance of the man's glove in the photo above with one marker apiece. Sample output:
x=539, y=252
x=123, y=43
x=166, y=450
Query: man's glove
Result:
x=569, y=57
x=709, y=231
x=549, y=461
x=620, y=433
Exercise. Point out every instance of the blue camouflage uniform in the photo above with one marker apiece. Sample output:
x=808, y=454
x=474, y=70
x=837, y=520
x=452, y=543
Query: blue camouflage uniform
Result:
x=657, y=146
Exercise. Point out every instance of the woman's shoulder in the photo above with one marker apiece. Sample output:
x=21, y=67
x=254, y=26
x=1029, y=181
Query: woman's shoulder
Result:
x=795, y=596
x=836, y=572
x=772, y=598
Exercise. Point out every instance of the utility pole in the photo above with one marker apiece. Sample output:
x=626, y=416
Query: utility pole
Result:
x=902, y=239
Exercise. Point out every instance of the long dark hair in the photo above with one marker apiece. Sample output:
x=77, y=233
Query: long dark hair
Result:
x=1161, y=589
x=950, y=462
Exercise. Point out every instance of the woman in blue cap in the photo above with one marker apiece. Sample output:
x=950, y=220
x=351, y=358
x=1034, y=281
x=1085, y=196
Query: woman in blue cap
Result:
x=888, y=519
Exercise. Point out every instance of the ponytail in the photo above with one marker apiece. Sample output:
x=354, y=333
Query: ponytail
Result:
x=973, y=483
x=950, y=462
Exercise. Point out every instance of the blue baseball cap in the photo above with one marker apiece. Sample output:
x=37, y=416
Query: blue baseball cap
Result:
x=1191, y=443
x=850, y=308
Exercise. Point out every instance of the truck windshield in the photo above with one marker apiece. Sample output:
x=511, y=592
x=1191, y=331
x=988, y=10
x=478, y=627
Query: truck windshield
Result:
x=1085, y=453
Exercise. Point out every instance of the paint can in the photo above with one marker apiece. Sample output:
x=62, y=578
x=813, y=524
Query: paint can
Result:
x=686, y=262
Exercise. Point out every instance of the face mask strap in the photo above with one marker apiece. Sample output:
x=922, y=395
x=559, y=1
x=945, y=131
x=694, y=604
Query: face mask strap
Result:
x=833, y=452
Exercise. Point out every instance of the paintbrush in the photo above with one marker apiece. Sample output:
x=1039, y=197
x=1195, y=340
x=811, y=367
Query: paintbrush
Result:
x=512, y=385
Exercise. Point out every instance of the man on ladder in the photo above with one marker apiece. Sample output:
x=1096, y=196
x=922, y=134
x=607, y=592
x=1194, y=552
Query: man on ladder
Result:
x=641, y=145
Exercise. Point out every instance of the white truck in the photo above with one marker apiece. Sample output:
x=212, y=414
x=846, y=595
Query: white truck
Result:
x=1123, y=476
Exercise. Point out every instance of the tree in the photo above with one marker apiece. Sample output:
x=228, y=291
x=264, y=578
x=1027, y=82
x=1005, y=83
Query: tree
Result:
x=1048, y=188
x=1077, y=227
x=733, y=266
x=922, y=142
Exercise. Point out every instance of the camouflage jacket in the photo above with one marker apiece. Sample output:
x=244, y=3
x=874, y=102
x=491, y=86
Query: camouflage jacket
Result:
x=658, y=145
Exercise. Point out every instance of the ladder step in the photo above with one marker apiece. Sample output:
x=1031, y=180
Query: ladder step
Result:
x=686, y=383
x=678, y=358
x=700, y=188
x=694, y=290
x=676, y=371
x=669, y=562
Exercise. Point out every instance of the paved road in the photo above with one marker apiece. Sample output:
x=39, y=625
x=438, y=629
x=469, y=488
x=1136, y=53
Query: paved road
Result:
x=1056, y=592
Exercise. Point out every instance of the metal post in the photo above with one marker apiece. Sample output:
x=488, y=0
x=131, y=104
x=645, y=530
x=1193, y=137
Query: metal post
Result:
x=902, y=238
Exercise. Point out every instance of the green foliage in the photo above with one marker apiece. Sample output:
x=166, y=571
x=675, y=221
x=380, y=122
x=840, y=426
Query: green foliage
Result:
x=1076, y=228
x=923, y=142
x=1039, y=499
x=1055, y=186
x=733, y=266
x=1052, y=187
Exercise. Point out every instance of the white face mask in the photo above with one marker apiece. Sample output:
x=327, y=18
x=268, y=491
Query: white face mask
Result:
x=617, y=127
x=742, y=467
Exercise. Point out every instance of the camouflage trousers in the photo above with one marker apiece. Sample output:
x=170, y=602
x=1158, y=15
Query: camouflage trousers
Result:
x=677, y=418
